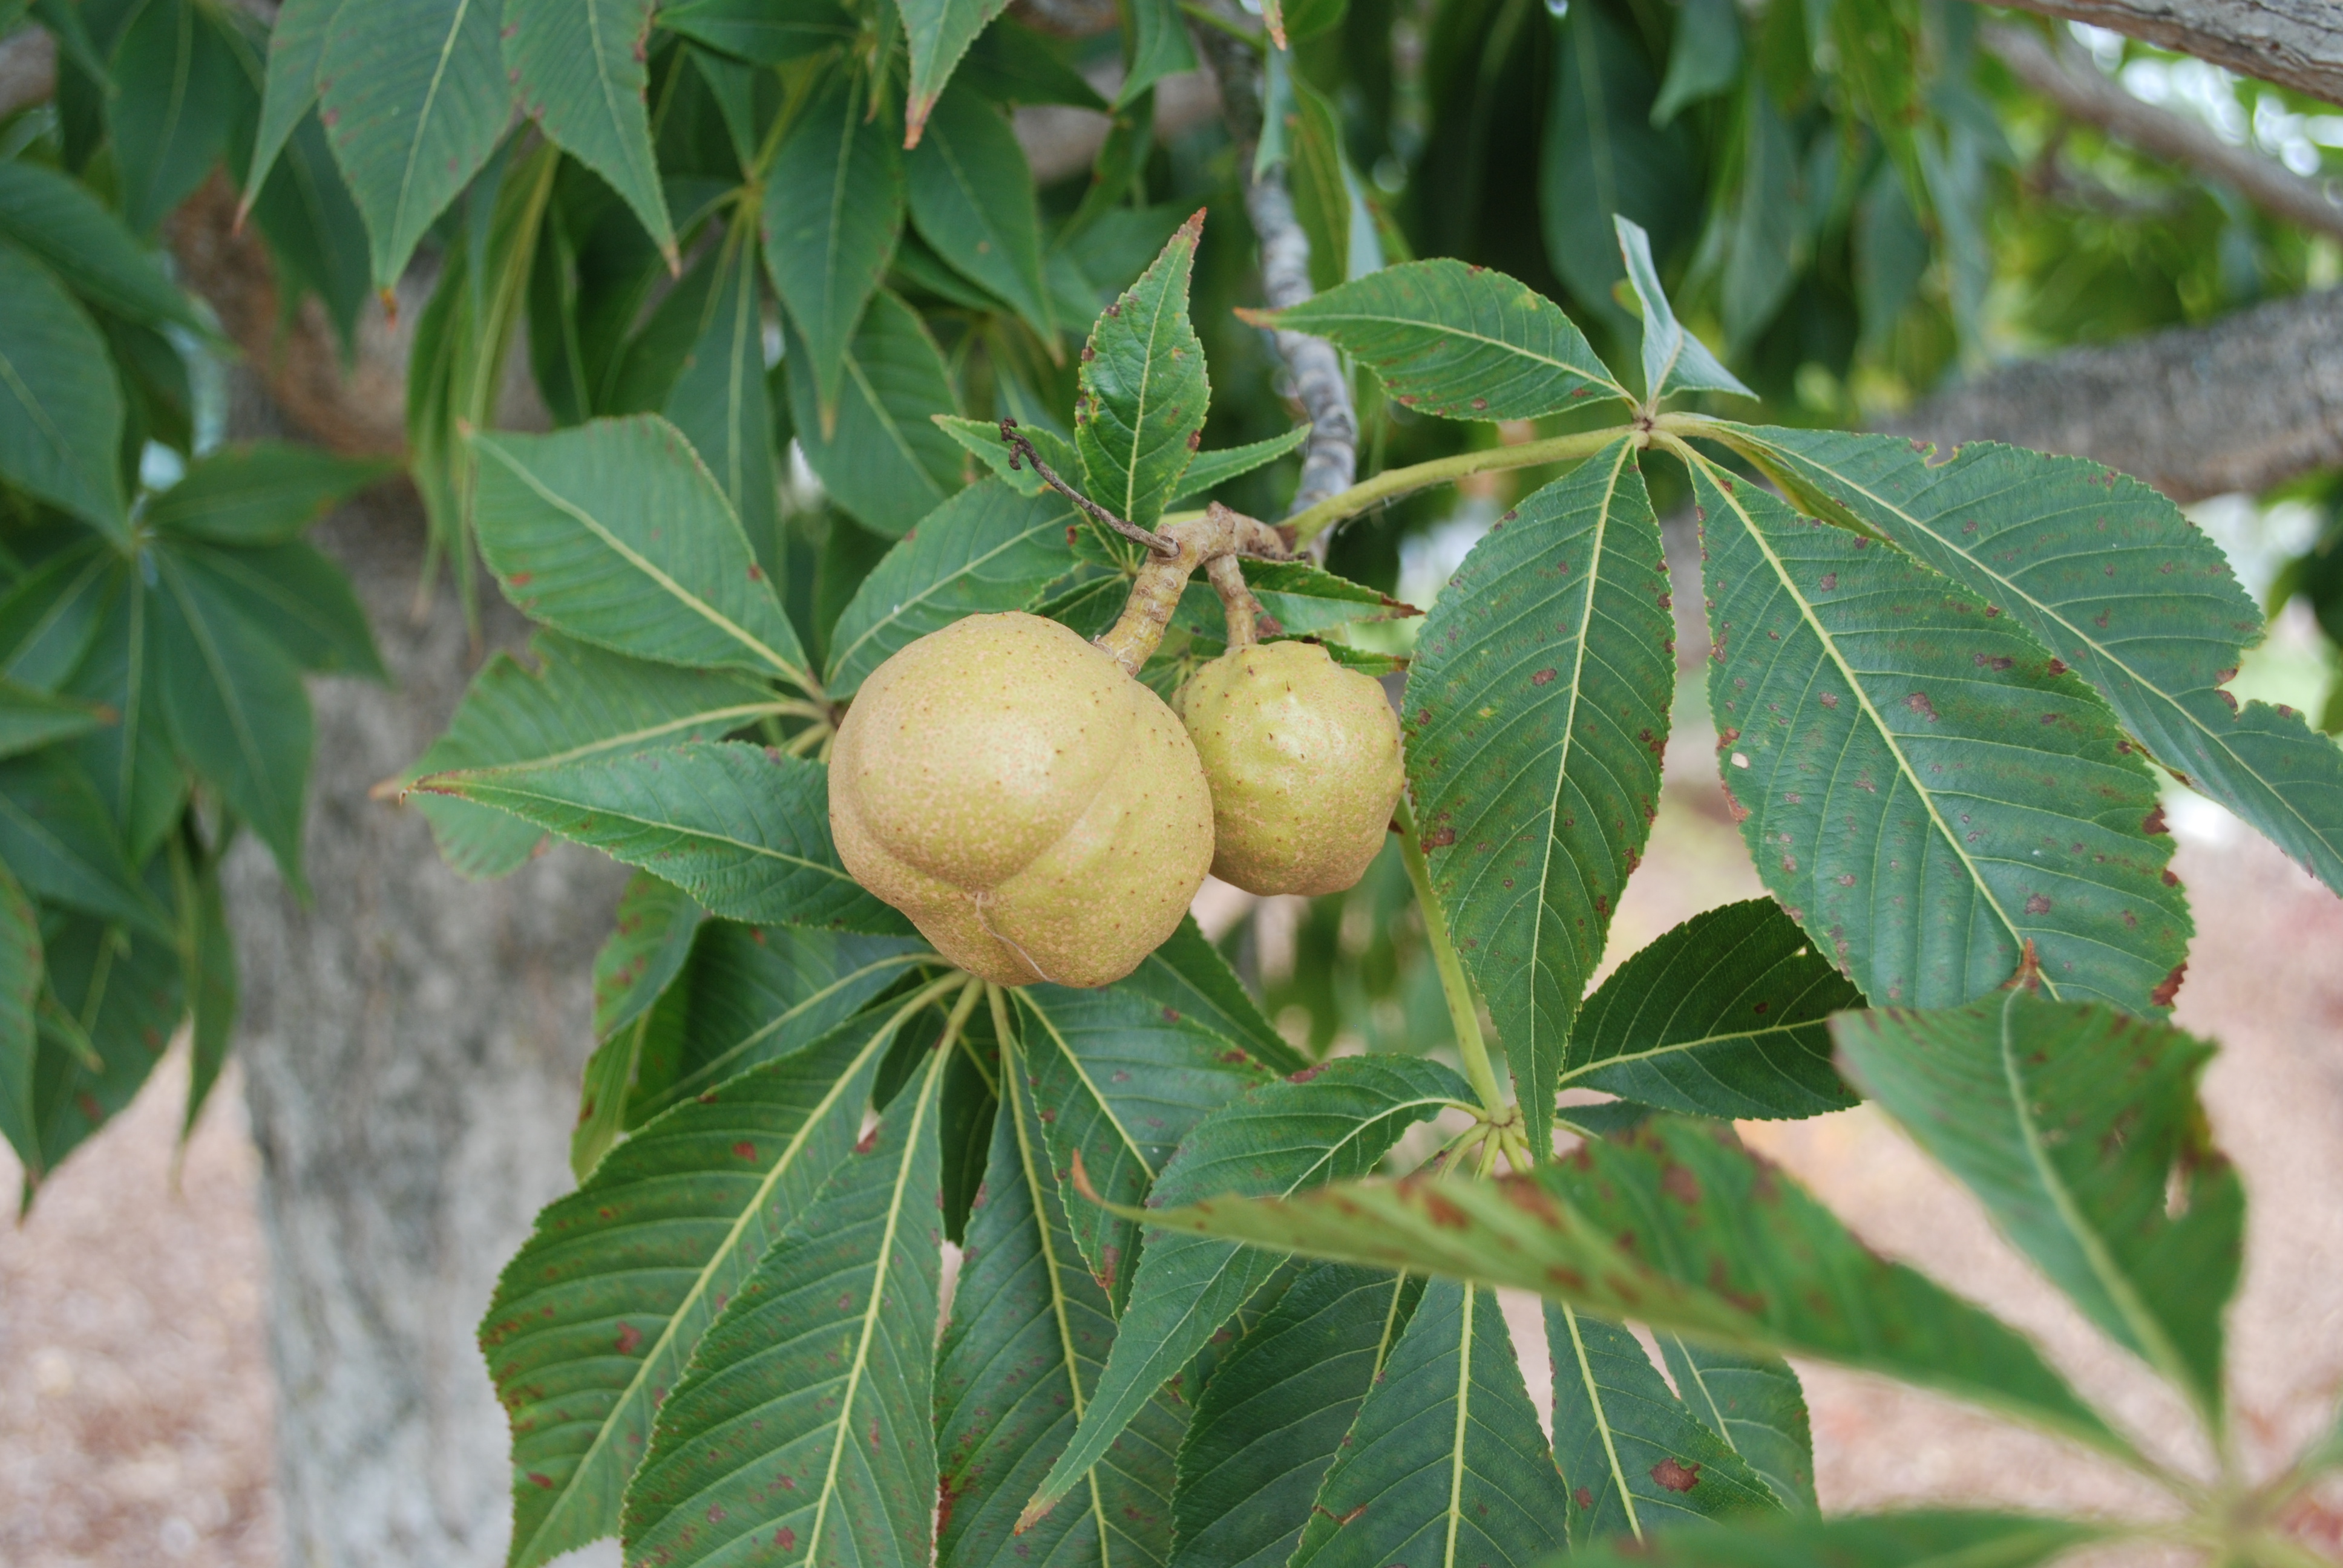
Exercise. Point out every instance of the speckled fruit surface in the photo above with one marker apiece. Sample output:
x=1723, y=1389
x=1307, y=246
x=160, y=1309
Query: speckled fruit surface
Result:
x=1303, y=761
x=1038, y=814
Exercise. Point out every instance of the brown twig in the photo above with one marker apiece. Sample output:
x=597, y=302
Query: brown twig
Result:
x=1019, y=447
x=1155, y=593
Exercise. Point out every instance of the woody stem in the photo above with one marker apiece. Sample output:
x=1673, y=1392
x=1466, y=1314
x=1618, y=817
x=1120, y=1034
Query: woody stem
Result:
x=1155, y=593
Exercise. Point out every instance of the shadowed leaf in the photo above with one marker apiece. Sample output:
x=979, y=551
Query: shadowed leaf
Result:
x=579, y=68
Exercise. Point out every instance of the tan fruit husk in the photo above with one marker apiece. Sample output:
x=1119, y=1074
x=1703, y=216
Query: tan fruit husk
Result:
x=1303, y=761
x=1037, y=814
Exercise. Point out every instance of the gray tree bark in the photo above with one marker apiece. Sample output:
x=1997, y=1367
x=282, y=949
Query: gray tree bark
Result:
x=2243, y=404
x=412, y=1045
x=2296, y=43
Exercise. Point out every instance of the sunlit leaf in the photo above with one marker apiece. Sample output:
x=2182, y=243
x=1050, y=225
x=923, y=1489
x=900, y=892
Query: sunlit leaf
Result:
x=1140, y=409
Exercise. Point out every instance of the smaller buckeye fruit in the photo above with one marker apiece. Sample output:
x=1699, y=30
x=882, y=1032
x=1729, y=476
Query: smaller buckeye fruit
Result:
x=1038, y=814
x=1302, y=756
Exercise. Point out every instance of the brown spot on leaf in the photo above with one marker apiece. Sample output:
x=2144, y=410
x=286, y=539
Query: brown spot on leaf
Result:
x=2163, y=994
x=1543, y=676
x=2035, y=904
x=1919, y=703
x=1676, y=1477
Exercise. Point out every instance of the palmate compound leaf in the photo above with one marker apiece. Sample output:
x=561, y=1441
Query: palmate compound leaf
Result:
x=2080, y=1129
x=1918, y=1540
x=413, y=98
x=1917, y=783
x=1537, y=714
x=57, y=838
x=1029, y=1331
x=615, y=532
x=1623, y=1228
x=1275, y=1413
x=805, y=1423
x=2110, y=576
x=1141, y=406
x=1445, y=1466
x=1635, y=1457
x=1757, y=1405
x=985, y=550
x=595, y=1317
x=1461, y=342
x=581, y=68
x=1721, y=1016
x=1332, y=1125
x=580, y=703
x=744, y=831
x=1121, y=1081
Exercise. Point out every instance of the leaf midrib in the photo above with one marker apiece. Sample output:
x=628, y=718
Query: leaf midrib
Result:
x=1602, y=1420
x=1863, y=700
x=644, y=565
x=1443, y=329
x=423, y=118
x=481, y=785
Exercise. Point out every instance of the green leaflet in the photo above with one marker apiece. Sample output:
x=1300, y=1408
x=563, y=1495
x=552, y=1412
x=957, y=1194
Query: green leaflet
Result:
x=616, y=533
x=806, y=1418
x=1721, y=1016
x=1188, y=975
x=131, y=760
x=1445, y=1466
x=176, y=89
x=1143, y=392
x=30, y=719
x=1536, y=714
x=208, y=969
x=60, y=403
x=1921, y=786
x=720, y=400
x=314, y=232
x=971, y=198
x=2115, y=1193
x=1703, y=58
x=123, y=999
x=1768, y=237
x=581, y=1339
x=1756, y=1404
x=767, y=32
x=878, y=452
x=1160, y=47
x=1673, y=359
x=982, y=439
x=1315, y=169
x=985, y=550
x=258, y=492
x=1785, y=1278
x=1208, y=471
x=1332, y=1125
x=744, y=831
x=302, y=600
x=1930, y=1539
x=1603, y=159
x=1016, y=1370
x=1461, y=342
x=1121, y=1081
x=1275, y=1413
x=56, y=219
x=234, y=703
x=2108, y=576
x=297, y=46
x=651, y=936
x=833, y=205
x=940, y=32
x=1634, y=1459
x=20, y=987
x=414, y=98
x=1302, y=598
x=49, y=618
x=57, y=838
x=579, y=68
x=579, y=703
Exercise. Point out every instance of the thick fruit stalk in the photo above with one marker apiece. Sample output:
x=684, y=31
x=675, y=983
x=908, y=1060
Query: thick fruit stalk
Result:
x=1038, y=814
x=1303, y=761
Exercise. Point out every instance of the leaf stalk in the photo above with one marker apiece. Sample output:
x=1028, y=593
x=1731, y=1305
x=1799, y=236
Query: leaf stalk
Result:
x=1394, y=483
x=1463, y=1013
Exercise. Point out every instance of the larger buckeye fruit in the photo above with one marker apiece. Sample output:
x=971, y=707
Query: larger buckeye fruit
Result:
x=1305, y=764
x=1038, y=814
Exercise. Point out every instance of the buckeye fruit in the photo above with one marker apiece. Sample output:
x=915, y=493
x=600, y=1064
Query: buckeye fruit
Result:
x=1038, y=813
x=1303, y=760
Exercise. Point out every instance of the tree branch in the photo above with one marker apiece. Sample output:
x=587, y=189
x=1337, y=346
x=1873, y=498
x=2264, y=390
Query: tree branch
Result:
x=2078, y=88
x=2298, y=43
x=2246, y=403
x=1330, y=460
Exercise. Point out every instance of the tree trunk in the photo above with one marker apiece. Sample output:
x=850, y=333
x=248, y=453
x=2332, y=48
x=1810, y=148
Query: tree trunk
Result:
x=412, y=1044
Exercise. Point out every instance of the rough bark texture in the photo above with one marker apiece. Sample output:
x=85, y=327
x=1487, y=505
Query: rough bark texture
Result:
x=2071, y=81
x=2296, y=42
x=412, y=1045
x=2251, y=400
